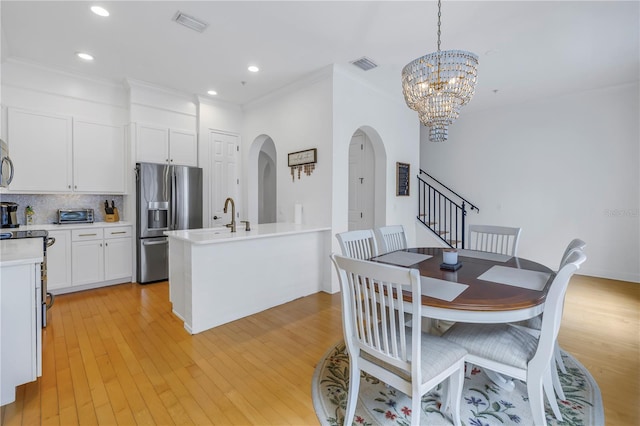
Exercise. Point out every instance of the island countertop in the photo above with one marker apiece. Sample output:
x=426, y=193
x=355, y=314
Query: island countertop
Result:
x=224, y=235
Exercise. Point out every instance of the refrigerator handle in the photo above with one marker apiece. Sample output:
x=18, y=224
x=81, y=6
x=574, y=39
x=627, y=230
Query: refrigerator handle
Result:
x=154, y=243
x=174, y=203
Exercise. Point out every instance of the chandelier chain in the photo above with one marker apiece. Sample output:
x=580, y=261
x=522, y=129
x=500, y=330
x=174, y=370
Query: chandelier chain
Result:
x=439, y=15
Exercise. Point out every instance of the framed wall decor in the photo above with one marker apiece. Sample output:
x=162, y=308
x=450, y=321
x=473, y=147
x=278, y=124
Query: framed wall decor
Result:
x=402, y=179
x=302, y=161
x=300, y=158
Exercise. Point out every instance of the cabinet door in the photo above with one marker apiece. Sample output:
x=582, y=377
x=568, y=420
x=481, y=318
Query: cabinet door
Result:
x=98, y=158
x=40, y=146
x=183, y=148
x=152, y=144
x=59, y=261
x=118, y=254
x=87, y=262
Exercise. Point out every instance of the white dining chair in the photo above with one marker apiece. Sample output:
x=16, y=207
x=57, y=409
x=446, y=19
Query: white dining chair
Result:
x=533, y=325
x=359, y=244
x=494, y=239
x=511, y=351
x=381, y=344
x=391, y=238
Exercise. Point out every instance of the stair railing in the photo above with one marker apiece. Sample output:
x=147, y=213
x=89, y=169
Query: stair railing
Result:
x=440, y=213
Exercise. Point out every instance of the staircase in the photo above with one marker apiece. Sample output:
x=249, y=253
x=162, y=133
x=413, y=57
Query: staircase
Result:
x=442, y=210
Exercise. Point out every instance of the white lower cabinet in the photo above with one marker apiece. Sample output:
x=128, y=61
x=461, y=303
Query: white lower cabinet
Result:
x=118, y=253
x=59, y=260
x=89, y=257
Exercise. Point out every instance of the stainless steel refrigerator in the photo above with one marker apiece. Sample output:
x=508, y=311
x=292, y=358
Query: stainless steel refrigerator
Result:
x=168, y=198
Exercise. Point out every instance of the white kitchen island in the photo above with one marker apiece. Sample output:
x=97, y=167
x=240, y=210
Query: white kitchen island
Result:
x=216, y=276
x=20, y=314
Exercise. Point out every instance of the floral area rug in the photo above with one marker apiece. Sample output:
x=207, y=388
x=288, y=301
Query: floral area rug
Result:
x=483, y=402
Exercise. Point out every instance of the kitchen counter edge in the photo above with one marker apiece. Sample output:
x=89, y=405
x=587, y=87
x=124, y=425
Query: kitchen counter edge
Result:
x=55, y=227
x=222, y=235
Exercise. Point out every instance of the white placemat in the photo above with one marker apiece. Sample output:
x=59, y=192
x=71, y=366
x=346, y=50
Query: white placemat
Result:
x=532, y=280
x=441, y=289
x=402, y=258
x=496, y=257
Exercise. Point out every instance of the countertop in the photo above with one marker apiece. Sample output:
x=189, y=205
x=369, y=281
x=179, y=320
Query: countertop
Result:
x=224, y=235
x=20, y=251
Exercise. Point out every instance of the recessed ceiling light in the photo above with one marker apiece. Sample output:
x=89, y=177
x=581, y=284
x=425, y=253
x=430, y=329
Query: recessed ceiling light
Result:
x=253, y=68
x=84, y=56
x=212, y=92
x=100, y=11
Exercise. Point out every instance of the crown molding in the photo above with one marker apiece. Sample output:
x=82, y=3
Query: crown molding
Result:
x=96, y=80
x=319, y=75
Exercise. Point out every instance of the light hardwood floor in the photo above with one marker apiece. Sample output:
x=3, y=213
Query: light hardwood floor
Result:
x=118, y=356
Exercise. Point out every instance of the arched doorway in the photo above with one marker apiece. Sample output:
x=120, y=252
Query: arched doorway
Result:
x=361, y=182
x=367, y=180
x=262, y=185
x=267, y=183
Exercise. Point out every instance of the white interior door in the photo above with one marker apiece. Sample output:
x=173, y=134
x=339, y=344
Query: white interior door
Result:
x=361, y=183
x=223, y=176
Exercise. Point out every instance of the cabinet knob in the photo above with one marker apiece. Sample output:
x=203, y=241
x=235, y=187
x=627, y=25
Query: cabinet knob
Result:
x=69, y=186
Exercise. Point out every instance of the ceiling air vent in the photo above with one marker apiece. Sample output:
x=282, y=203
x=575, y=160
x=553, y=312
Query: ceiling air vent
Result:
x=190, y=22
x=364, y=63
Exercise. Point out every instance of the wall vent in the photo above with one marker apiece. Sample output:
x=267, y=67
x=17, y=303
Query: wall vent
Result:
x=364, y=63
x=190, y=22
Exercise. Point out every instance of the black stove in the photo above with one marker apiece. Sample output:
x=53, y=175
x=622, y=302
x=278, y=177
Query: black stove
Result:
x=36, y=233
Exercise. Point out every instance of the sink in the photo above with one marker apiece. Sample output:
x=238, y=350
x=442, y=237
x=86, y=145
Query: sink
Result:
x=215, y=233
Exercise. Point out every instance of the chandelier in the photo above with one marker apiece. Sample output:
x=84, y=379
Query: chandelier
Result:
x=437, y=85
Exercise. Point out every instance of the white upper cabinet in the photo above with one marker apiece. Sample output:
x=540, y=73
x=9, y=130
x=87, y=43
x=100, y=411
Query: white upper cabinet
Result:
x=98, y=158
x=152, y=144
x=163, y=145
x=54, y=153
x=183, y=146
x=41, y=149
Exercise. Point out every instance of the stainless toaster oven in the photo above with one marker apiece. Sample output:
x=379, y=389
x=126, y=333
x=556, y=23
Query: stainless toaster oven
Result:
x=75, y=216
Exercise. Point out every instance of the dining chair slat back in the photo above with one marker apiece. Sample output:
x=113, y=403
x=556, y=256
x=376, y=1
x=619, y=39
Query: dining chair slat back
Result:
x=391, y=238
x=517, y=353
x=380, y=343
x=358, y=244
x=494, y=239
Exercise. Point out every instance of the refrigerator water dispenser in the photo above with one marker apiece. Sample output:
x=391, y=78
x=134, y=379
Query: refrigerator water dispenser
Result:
x=158, y=215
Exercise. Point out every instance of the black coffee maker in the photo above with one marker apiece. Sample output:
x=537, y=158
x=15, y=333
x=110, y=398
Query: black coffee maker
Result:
x=9, y=212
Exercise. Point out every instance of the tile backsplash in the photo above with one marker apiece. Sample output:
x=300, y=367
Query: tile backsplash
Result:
x=46, y=206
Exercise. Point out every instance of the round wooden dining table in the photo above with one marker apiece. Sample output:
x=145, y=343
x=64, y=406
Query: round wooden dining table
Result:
x=482, y=301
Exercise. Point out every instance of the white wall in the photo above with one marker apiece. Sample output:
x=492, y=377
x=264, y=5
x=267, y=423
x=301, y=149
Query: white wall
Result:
x=42, y=89
x=560, y=168
x=297, y=118
x=220, y=117
x=356, y=105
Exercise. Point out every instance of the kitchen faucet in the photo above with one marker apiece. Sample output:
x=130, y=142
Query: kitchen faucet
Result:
x=231, y=225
